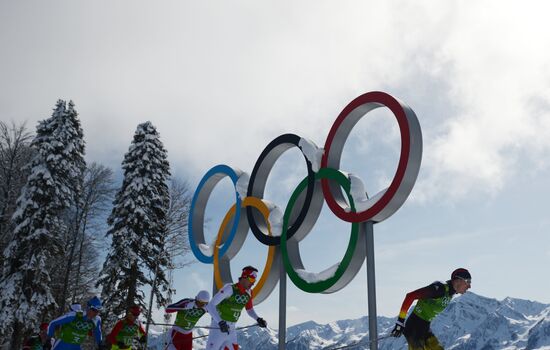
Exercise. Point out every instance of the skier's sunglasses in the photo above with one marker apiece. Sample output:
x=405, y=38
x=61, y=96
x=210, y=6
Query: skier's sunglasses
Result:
x=251, y=279
x=467, y=280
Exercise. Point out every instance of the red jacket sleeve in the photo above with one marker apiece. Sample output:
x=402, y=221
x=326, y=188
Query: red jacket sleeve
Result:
x=434, y=290
x=111, y=338
x=141, y=330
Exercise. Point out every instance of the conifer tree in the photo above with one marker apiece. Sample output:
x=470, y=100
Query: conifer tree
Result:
x=72, y=137
x=26, y=296
x=138, y=227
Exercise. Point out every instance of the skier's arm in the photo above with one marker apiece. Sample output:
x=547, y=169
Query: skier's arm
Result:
x=184, y=304
x=250, y=310
x=141, y=331
x=59, y=322
x=252, y=313
x=434, y=290
x=222, y=294
x=97, y=331
x=111, y=337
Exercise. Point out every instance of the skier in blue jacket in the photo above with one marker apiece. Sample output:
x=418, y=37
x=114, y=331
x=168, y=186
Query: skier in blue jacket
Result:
x=75, y=326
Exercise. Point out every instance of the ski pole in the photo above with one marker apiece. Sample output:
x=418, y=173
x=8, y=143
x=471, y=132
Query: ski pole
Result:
x=170, y=324
x=360, y=343
x=237, y=329
x=171, y=340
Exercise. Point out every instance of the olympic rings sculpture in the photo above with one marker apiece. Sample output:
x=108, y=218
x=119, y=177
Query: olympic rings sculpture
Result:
x=324, y=182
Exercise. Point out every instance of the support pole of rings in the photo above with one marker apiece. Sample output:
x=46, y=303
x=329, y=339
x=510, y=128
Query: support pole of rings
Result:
x=282, y=307
x=371, y=284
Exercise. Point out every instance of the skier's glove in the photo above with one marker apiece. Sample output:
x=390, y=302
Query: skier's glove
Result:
x=261, y=322
x=223, y=326
x=103, y=346
x=121, y=345
x=399, y=327
x=48, y=344
x=143, y=339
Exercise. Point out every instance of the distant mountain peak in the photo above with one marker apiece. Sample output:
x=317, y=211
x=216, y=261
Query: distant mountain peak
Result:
x=471, y=322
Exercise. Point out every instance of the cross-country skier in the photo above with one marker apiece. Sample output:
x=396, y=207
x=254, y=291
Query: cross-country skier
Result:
x=432, y=300
x=74, y=327
x=125, y=330
x=189, y=311
x=225, y=309
x=38, y=341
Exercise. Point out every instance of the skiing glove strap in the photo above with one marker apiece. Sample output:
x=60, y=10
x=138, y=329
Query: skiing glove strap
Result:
x=261, y=322
x=223, y=326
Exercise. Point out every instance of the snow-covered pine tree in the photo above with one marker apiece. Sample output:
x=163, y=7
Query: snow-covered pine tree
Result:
x=71, y=135
x=26, y=297
x=137, y=227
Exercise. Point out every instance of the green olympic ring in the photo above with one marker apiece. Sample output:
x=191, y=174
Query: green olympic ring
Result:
x=353, y=258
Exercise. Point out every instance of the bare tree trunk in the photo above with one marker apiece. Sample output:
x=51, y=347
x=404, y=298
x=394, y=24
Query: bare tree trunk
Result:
x=16, y=336
x=132, y=292
x=15, y=153
x=149, y=310
x=62, y=302
x=79, y=265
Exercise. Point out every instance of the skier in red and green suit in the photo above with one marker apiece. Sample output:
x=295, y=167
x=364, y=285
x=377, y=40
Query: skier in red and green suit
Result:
x=432, y=300
x=38, y=341
x=74, y=327
x=189, y=311
x=125, y=330
x=226, y=307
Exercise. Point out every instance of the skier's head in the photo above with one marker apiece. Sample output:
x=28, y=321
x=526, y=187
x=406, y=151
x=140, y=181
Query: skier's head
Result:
x=135, y=310
x=461, y=280
x=94, y=305
x=248, y=276
x=43, y=331
x=202, y=298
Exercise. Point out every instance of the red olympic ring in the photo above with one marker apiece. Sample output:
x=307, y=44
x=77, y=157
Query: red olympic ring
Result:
x=386, y=202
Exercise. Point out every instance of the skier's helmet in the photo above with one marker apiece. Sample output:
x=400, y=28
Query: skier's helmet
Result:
x=462, y=274
x=94, y=304
x=44, y=326
x=135, y=310
x=203, y=296
x=249, y=272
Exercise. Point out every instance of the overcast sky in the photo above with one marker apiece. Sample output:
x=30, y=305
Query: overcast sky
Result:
x=221, y=79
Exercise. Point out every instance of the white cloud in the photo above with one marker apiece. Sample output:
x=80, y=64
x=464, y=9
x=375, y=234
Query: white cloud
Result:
x=498, y=75
x=220, y=93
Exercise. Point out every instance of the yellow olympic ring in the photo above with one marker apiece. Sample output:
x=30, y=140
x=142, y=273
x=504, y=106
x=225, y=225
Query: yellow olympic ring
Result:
x=264, y=210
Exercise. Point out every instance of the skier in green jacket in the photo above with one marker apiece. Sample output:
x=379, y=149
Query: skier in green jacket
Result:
x=126, y=329
x=38, y=341
x=75, y=327
x=226, y=307
x=189, y=311
x=432, y=300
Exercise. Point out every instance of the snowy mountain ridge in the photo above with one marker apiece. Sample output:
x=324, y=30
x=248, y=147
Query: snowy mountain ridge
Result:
x=470, y=322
